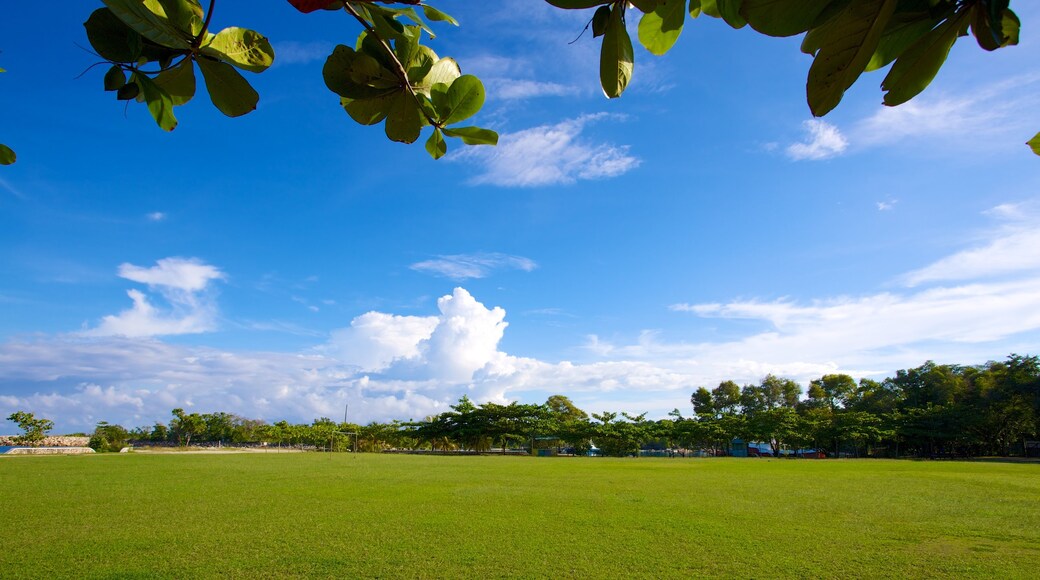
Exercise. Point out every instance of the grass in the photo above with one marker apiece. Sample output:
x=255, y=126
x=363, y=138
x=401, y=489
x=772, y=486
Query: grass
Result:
x=293, y=515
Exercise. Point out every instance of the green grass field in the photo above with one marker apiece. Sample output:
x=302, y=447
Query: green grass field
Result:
x=278, y=515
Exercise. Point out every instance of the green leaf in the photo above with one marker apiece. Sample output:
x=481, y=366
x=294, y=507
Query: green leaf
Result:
x=246, y=49
x=185, y=15
x=782, y=18
x=438, y=16
x=229, y=91
x=1011, y=25
x=435, y=145
x=111, y=37
x=1034, y=143
x=615, y=57
x=7, y=155
x=647, y=6
x=848, y=42
x=898, y=38
x=473, y=135
x=128, y=91
x=368, y=111
x=356, y=75
x=149, y=19
x=599, y=21
x=918, y=65
x=115, y=78
x=464, y=99
x=404, y=120
x=160, y=105
x=577, y=4
x=658, y=30
x=695, y=8
x=710, y=8
x=179, y=81
x=419, y=63
x=729, y=10
x=444, y=71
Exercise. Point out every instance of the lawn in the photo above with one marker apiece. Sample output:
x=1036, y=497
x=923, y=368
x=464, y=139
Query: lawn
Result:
x=278, y=515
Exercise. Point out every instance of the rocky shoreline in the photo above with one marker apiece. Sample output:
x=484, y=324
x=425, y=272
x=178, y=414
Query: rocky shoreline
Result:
x=56, y=441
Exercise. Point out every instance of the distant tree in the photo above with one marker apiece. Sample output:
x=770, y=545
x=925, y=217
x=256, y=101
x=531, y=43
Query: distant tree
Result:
x=108, y=438
x=833, y=390
x=34, y=429
x=159, y=433
x=185, y=426
x=703, y=403
x=726, y=398
x=562, y=409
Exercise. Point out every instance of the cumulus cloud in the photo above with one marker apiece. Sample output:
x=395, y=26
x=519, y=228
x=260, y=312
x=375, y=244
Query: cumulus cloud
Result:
x=390, y=366
x=822, y=141
x=548, y=155
x=466, y=266
x=384, y=366
x=462, y=339
x=375, y=340
x=181, y=283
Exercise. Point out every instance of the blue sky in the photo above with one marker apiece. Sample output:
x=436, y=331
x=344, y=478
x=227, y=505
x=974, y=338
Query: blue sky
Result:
x=701, y=228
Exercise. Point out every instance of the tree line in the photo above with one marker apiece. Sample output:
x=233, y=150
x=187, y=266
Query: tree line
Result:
x=929, y=411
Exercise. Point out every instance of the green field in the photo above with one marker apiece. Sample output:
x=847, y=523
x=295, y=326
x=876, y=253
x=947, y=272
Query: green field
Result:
x=277, y=515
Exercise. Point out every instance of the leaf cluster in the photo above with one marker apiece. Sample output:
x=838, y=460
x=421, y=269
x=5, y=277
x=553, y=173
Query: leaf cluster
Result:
x=153, y=47
x=389, y=76
x=845, y=37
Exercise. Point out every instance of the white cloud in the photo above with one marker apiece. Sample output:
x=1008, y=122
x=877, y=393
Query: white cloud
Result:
x=518, y=89
x=375, y=340
x=480, y=265
x=181, y=282
x=449, y=347
x=156, y=216
x=1008, y=250
x=188, y=275
x=389, y=366
x=823, y=141
x=989, y=118
x=548, y=155
x=887, y=205
x=292, y=52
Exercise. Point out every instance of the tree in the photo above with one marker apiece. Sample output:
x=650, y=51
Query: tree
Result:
x=185, y=426
x=34, y=430
x=388, y=75
x=108, y=438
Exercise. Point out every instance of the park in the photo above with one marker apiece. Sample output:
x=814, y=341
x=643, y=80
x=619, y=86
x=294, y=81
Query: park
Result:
x=194, y=295
x=378, y=515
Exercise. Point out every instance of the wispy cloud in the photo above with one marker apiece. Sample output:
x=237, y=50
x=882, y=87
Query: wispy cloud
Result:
x=1009, y=249
x=393, y=366
x=993, y=114
x=156, y=216
x=887, y=205
x=518, y=89
x=181, y=283
x=291, y=52
x=466, y=266
x=6, y=185
x=548, y=155
x=822, y=141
